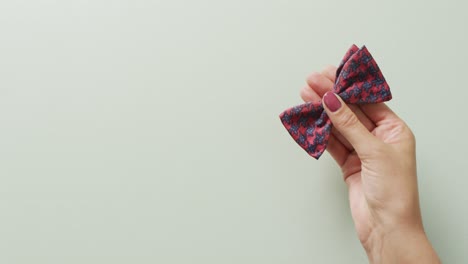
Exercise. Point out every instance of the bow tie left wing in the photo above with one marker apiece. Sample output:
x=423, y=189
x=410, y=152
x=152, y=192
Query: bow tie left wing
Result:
x=309, y=125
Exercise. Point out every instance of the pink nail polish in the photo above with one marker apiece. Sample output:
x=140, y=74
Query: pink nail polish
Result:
x=332, y=103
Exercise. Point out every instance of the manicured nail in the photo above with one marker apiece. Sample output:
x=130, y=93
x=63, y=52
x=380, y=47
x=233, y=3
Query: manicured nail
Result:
x=331, y=101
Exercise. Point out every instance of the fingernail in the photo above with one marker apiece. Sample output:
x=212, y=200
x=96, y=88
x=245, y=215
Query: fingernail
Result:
x=331, y=101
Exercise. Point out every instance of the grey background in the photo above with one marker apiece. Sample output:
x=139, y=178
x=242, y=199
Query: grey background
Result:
x=148, y=131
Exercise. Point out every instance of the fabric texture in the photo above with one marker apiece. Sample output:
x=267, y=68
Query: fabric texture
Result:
x=358, y=81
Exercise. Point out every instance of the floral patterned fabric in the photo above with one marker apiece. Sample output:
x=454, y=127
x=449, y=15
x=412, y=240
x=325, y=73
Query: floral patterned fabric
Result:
x=358, y=81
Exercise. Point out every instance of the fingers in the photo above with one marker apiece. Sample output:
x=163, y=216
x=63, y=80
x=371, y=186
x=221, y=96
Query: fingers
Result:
x=348, y=124
x=319, y=83
x=309, y=95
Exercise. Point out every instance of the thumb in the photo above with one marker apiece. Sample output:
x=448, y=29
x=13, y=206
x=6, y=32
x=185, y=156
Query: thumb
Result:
x=348, y=124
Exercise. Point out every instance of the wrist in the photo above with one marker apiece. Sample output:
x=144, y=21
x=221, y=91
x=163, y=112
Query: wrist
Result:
x=405, y=245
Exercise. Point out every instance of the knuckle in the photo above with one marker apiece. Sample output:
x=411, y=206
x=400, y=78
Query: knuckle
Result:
x=348, y=119
x=303, y=94
x=404, y=132
x=329, y=68
x=312, y=79
x=408, y=132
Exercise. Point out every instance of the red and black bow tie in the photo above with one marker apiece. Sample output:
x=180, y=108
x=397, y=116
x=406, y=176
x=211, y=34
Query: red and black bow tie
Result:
x=358, y=81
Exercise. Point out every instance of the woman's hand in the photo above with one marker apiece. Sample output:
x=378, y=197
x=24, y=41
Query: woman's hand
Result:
x=376, y=152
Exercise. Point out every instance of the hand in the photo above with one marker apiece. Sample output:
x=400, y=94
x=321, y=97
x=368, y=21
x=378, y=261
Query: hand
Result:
x=376, y=152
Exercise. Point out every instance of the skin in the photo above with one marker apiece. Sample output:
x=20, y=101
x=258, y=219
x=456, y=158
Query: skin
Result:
x=375, y=150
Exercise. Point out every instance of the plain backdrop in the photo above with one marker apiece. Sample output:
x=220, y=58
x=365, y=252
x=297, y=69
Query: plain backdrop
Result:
x=137, y=131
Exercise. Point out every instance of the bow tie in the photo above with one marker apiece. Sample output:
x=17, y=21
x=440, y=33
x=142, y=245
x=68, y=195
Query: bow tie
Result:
x=358, y=81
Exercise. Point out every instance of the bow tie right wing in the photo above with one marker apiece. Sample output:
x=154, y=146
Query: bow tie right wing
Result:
x=359, y=79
